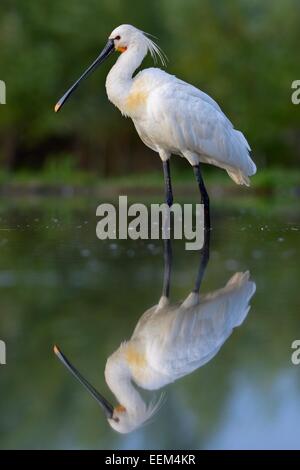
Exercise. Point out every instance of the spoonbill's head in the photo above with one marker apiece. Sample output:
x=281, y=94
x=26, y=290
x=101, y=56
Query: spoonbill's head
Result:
x=126, y=422
x=129, y=38
x=123, y=39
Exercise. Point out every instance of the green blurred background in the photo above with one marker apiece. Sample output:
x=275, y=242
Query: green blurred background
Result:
x=242, y=52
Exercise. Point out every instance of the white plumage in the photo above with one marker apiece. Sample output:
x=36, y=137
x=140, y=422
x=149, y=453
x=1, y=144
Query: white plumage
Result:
x=171, y=341
x=177, y=339
x=171, y=116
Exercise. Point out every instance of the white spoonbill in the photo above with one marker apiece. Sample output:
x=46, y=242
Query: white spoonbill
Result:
x=168, y=342
x=170, y=115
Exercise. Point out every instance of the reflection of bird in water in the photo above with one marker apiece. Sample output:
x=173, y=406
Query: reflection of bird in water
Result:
x=169, y=342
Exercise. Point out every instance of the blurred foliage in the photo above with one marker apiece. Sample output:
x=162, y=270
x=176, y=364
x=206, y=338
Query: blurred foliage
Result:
x=242, y=52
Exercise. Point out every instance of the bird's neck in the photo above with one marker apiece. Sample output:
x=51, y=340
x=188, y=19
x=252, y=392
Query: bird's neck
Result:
x=119, y=379
x=120, y=78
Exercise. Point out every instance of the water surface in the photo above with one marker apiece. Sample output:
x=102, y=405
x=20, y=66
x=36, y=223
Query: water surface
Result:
x=59, y=284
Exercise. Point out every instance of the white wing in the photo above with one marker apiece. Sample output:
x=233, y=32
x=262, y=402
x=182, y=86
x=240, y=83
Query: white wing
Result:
x=182, y=119
x=179, y=339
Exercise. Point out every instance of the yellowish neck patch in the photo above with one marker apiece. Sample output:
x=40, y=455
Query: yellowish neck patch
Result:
x=121, y=49
x=134, y=358
x=120, y=409
x=135, y=100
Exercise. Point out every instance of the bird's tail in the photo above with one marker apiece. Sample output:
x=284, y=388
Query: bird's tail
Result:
x=248, y=167
x=243, y=290
x=239, y=177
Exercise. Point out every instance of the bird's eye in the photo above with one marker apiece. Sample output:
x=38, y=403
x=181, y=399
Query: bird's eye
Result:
x=117, y=38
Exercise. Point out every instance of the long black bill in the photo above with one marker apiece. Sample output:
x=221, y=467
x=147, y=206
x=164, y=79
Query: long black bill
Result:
x=105, y=405
x=107, y=51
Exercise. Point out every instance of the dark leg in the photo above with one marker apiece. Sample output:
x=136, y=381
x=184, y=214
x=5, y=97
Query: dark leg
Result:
x=167, y=267
x=203, y=261
x=204, y=196
x=168, y=184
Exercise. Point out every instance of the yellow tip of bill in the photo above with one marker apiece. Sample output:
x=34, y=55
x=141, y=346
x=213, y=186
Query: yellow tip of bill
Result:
x=57, y=107
x=56, y=350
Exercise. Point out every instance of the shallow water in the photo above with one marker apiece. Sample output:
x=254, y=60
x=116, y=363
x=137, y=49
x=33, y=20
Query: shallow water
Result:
x=59, y=284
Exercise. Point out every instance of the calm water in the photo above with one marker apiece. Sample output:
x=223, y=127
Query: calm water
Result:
x=59, y=284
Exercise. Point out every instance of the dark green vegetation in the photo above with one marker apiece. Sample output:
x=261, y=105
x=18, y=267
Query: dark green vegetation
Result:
x=242, y=52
